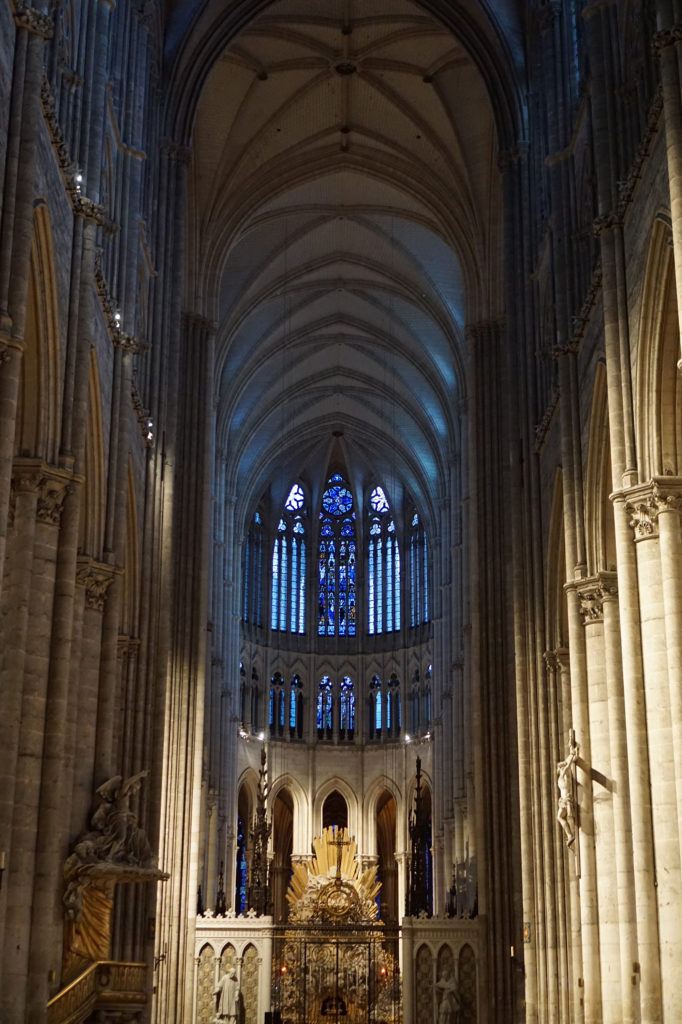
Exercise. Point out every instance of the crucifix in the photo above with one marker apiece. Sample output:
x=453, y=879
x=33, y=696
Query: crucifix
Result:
x=339, y=844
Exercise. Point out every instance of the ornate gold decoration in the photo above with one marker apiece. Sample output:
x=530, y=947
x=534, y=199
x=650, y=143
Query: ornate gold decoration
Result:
x=336, y=961
x=331, y=887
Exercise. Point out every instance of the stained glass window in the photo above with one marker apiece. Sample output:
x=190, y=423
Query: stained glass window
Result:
x=346, y=708
x=252, y=575
x=289, y=565
x=242, y=868
x=419, y=573
x=375, y=714
x=336, y=561
x=324, y=708
x=383, y=567
x=295, y=708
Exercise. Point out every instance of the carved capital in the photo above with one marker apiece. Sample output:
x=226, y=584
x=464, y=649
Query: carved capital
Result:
x=49, y=483
x=33, y=21
x=96, y=578
x=53, y=492
x=606, y=222
x=665, y=38
x=645, y=504
x=593, y=594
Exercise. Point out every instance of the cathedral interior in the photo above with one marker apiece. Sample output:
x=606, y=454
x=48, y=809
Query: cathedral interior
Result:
x=340, y=498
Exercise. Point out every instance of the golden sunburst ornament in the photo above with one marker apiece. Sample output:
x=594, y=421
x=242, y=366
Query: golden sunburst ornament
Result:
x=331, y=886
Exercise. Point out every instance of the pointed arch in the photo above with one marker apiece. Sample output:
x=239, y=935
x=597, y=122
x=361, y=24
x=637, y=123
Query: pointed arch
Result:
x=92, y=513
x=37, y=422
x=600, y=536
x=658, y=385
x=131, y=565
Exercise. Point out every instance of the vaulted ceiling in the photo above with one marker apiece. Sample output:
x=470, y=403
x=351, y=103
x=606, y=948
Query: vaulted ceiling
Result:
x=344, y=227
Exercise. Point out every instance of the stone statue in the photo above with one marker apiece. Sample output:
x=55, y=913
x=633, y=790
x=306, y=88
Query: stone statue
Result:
x=448, y=1010
x=115, y=850
x=227, y=996
x=566, y=810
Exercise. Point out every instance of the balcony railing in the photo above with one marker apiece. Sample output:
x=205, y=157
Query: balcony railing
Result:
x=106, y=983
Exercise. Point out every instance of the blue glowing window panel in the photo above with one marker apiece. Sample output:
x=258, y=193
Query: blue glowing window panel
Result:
x=281, y=700
x=378, y=500
x=301, y=590
x=415, y=520
x=257, y=518
x=283, y=577
x=271, y=709
x=274, y=614
x=281, y=526
x=337, y=500
x=377, y=711
x=298, y=526
x=293, y=611
x=425, y=584
x=295, y=499
x=398, y=711
x=242, y=868
x=380, y=586
x=389, y=708
x=389, y=585
x=347, y=705
x=324, y=705
x=347, y=528
x=396, y=583
x=371, y=568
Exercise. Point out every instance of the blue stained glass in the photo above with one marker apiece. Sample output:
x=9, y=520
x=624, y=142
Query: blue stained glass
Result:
x=327, y=530
x=336, y=478
x=347, y=705
x=347, y=528
x=298, y=527
x=301, y=590
x=292, y=707
x=295, y=499
x=391, y=527
x=371, y=568
x=415, y=520
x=281, y=526
x=337, y=501
x=274, y=617
x=377, y=711
x=257, y=518
x=378, y=500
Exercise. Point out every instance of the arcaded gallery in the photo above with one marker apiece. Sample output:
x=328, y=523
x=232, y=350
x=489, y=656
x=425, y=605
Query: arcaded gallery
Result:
x=340, y=511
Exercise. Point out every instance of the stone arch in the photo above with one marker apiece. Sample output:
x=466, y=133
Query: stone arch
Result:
x=659, y=389
x=282, y=842
x=228, y=958
x=372, y=796
x=38, y=433
x=600, y=531
x=131, y=566
x=249, y=980
x=557, y=572
x=301, y=834
x=386, y=826
x=423, y=966
x=349, y=796
x=467, y=975
x=206, y=978
x=92, y=510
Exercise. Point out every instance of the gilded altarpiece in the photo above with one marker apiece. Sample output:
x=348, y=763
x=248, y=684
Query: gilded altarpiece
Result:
x=335, y=961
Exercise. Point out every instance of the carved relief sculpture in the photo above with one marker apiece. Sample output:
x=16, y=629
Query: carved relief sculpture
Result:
x=115, y=850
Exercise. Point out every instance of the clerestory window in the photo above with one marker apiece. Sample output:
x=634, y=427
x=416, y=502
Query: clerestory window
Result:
x=289, y=566
x=383, y=567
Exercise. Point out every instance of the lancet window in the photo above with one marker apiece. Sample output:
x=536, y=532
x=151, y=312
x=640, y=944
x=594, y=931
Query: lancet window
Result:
x=346, y=708
x=383, y=567
x=337, y=561
x=419, y=573
x=289, y=565
x=325, y=708
x=253, y=572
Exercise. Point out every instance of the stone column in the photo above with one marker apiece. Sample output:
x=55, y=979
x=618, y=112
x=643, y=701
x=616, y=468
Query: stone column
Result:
x=16, y=227
x=663, y=733
x=668, y=47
